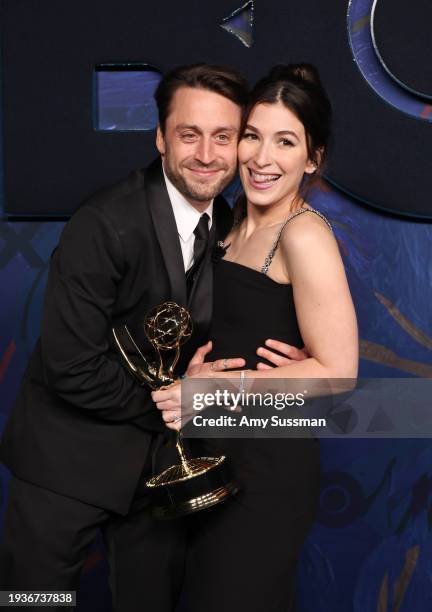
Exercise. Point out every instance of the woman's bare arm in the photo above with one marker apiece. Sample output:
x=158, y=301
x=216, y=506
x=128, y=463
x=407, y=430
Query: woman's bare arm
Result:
x=324, y=307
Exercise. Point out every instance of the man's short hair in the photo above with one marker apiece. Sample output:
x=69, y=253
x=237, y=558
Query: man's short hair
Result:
x=222, y=80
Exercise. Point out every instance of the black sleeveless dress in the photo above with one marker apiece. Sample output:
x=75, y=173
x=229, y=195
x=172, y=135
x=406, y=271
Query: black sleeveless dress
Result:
x=243, y=553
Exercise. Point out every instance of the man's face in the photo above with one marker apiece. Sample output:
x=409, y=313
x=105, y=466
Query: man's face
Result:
x=199, y=146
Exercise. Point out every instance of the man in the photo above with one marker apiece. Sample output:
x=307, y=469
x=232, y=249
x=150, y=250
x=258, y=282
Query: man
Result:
x=82, y=437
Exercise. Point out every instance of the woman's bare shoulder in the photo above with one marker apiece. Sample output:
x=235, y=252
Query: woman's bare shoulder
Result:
x=306, y=230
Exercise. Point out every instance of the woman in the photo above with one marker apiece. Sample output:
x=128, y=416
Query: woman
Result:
x=281, y=277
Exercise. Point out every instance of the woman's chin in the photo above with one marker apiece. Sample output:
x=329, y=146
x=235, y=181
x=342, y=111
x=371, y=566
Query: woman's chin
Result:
x=258, y=198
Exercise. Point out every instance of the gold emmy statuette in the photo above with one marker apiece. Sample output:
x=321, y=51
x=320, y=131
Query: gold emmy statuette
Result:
x=192, y=484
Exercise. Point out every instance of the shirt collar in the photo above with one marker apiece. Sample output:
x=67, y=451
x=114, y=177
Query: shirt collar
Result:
x=186, y=216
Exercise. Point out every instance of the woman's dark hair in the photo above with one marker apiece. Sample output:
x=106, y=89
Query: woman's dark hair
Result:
x=299, y=88
x=222, y=80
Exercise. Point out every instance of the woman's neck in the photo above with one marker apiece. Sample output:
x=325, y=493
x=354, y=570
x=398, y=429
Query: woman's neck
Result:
x=259, y=217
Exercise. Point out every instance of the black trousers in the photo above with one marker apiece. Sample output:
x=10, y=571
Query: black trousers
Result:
x=47, y=537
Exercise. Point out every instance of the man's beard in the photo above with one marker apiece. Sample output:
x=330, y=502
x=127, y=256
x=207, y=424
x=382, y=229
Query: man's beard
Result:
x=196, y=191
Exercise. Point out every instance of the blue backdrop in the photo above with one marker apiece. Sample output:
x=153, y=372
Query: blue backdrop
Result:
x=371, y=545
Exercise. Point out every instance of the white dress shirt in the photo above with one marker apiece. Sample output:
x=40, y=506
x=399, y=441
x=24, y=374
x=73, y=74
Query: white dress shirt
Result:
x=186, y=218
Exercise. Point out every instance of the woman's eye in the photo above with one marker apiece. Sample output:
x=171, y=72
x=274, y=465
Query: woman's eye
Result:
x=249, y=136
x=286, y=143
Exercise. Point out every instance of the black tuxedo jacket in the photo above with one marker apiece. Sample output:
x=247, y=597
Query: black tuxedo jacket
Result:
x=81, y=426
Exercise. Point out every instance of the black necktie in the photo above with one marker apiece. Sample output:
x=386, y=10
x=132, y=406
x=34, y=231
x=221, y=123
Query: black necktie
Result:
x=200, y=246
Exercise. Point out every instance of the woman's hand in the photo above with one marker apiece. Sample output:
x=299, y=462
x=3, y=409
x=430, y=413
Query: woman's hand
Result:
x=289, y=354
x=285, y=355
x=200, y=369
x=168, y=401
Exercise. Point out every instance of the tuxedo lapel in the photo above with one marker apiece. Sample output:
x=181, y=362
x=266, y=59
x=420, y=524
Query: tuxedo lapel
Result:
x=166, y=230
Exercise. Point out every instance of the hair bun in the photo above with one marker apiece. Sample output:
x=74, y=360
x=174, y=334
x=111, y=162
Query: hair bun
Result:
x=301, y=72
x=306, y=72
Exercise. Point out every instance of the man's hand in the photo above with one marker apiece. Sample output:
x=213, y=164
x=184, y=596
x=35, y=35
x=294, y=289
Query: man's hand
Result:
x=289, y=354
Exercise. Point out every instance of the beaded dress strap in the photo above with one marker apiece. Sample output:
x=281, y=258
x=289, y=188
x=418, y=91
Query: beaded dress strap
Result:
x=269, y=258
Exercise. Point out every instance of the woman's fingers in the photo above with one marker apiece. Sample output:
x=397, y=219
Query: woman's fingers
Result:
x=172, y=419
x=197, y=366
x=167, y=405
x=161, y=396
x=288, y=355
x=168, y=399
x=292, y=352
x=274, y=358
x=174, y=425
x=231, y=363
x=263, y=366
x=171, y=416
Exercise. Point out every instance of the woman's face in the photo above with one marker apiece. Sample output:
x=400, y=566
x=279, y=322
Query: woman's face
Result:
x=273, y=155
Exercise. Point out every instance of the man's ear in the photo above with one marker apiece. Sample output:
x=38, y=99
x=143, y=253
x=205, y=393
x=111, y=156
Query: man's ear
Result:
x=160, y=141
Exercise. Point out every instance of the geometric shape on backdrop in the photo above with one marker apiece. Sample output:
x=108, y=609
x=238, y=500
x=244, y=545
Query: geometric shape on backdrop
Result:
x=370, y=66
x=124, y=97
x=240, y=23
x=381, y=155
x=19, y=243
x=342, y=500
x=401, y=32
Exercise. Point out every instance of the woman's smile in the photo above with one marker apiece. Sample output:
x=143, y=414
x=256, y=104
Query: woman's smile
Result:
x=259, y=180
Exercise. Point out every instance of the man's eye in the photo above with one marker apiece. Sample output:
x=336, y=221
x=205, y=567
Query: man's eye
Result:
x=223, y=137
x=189, y=136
